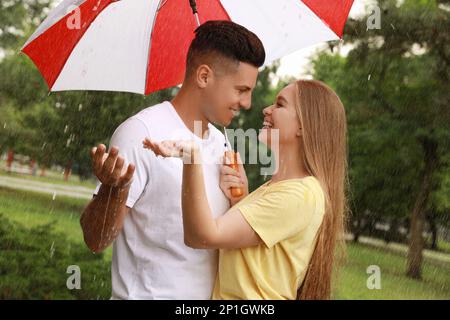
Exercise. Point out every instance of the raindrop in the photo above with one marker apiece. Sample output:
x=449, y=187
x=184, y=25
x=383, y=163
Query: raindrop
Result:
x=54, y=196
x=52, y=249
x=368, y=78
x=57, y=105
x=4, y=125
x=80, y=107
x=65, y=128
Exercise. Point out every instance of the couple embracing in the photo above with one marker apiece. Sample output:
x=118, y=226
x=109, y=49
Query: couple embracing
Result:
x=163, y=199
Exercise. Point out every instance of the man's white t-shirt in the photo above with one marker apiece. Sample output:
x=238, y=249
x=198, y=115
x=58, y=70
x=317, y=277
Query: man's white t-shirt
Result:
x=150, y=259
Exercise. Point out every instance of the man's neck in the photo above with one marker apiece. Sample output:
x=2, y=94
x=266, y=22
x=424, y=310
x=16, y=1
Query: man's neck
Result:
x=187, y=105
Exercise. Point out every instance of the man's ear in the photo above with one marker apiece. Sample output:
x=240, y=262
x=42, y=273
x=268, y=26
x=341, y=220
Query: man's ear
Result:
x=203, y=75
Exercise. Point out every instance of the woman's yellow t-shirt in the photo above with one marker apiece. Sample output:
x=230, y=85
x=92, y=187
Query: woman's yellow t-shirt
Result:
x=286, y=215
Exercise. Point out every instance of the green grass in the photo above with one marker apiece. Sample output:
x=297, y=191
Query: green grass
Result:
x=32, y=209
x=443, y=246
x=352, y=284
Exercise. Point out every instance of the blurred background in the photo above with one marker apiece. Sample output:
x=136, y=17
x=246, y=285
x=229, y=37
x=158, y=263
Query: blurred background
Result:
x=394, y=81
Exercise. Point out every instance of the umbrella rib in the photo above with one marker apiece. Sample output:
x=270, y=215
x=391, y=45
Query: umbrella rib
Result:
x=150, y=43
x=161, y=5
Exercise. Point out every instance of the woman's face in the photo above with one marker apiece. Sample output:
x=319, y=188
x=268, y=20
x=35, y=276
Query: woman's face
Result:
x=281, y=117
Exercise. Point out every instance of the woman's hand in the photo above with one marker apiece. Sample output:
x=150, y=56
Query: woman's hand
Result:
x=183, y=149
x=231, y=178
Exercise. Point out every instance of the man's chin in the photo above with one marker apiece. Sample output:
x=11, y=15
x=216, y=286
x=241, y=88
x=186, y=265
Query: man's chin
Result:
x=227, y=123
x=223, y=123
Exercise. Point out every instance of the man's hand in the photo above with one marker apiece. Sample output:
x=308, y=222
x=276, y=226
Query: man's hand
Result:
x=230, y=178
x=109, y=168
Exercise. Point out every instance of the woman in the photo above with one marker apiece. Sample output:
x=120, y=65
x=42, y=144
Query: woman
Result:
x=279, y=241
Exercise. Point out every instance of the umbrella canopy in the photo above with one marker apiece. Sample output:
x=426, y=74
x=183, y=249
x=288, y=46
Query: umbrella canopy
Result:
x=141, y=45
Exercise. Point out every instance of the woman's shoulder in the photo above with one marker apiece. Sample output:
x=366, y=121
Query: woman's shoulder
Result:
x=308, y=182
x=307, y=187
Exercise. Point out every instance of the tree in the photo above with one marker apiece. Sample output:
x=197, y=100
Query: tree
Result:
x=394, y=84
x=18, y=18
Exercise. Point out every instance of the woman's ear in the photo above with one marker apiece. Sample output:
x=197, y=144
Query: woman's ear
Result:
x=299, y=132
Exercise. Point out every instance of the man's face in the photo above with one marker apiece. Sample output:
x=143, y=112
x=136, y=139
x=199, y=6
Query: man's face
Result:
x=228, y=92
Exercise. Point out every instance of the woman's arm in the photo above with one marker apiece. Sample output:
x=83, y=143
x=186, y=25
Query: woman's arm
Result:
x=201, y=230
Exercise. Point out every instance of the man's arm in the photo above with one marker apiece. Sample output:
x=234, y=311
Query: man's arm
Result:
x=103, y=218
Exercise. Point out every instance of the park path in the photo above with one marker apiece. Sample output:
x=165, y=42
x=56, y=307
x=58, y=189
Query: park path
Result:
x=437, y=256
x=46, y=187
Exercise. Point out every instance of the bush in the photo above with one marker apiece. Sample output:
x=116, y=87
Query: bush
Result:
x=34, y=262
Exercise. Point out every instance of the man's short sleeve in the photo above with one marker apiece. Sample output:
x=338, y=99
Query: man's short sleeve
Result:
x=281, y=212
x=128, y=138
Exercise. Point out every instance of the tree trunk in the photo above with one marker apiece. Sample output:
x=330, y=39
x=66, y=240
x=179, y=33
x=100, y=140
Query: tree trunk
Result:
x=416, y=241
x=392, y=233
x=356, y=230
x=33, y=167
x=356, y=237
x=433, y=229
x=67, y=171
x=9, y=160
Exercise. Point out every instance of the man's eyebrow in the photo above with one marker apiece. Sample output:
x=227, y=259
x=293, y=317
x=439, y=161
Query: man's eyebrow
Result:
x=244, y=87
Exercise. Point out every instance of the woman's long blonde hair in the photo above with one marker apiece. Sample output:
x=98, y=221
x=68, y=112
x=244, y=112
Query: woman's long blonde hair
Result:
x=323, y=122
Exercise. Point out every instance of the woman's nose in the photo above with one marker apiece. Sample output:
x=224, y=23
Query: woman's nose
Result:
x=267, y=110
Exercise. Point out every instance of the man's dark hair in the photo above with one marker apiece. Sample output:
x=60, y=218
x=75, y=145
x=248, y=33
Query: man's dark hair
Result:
x=216, y=40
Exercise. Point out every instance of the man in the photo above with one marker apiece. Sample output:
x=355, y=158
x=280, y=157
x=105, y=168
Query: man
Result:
x=137, y=201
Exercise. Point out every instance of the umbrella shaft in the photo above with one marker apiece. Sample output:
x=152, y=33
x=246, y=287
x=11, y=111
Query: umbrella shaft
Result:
x=197, y=19
x=193, y=5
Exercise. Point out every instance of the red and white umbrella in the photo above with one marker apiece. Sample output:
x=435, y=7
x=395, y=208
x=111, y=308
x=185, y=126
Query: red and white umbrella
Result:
x=140, y=45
